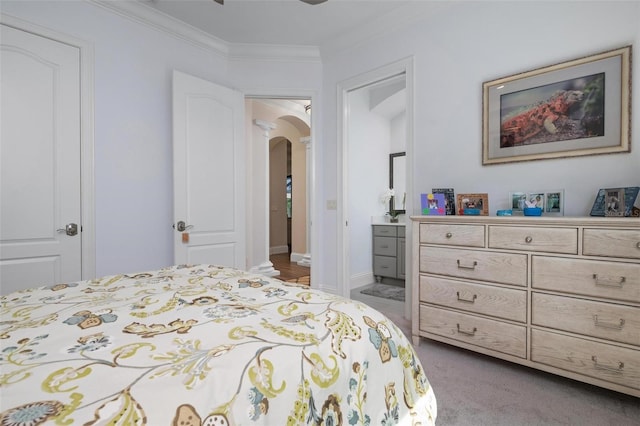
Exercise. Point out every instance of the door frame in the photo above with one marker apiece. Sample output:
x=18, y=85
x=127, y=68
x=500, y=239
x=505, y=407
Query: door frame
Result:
x=404, y=66
x=312, y=190
x=87, y=98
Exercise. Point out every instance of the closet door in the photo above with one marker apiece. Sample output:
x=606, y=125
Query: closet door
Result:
x=40, y=208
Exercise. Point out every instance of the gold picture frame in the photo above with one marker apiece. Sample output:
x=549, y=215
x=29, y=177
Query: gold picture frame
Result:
x=575, y=108
x=473, y=204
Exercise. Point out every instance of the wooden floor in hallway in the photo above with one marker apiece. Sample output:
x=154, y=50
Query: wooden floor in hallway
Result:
x=290, y=270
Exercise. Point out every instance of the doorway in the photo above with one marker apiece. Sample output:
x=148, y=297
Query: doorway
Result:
x=356, y=230
x=288, y=172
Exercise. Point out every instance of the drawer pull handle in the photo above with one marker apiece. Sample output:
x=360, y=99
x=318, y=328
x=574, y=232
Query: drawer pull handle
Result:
x=385, y=246
x=528, y=240
x=638, y=245
x=617, y=369
x=467, y=332
x=609, y=283
x=449, y=235
x=460, y=266
x=462, y=299
x=602, y=324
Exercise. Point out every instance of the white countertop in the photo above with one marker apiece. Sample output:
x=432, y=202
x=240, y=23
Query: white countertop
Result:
x=384, y=220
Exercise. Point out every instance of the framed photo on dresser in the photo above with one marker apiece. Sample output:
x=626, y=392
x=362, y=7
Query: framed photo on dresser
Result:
x=449, y=199
x=473, y=204
x=551, y=202
x=617, y=202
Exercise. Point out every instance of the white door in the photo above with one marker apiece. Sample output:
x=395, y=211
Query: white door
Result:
x=40, y=161
x=208, y=173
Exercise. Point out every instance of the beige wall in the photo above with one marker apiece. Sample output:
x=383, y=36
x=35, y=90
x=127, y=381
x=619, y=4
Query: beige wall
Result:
x=277, y=195
x=299, y=221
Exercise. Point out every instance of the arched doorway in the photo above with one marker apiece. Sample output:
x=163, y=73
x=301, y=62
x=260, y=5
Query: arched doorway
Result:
x=288, y=165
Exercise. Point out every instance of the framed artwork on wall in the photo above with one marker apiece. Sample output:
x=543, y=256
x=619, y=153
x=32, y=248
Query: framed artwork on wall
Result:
x=575, y=108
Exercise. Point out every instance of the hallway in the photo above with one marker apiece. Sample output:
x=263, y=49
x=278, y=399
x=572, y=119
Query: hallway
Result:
x=288, y=270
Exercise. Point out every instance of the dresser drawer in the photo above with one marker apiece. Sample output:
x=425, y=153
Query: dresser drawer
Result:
x=602, y=361
x=611, y=280
x=551, y=240
x=487, y=333
x=454, y=235
x=611, y=242
x=504, y=268
x=385, y=246
x=598, y=319
x=385, y=230
x=489, y=300
x=384, y=266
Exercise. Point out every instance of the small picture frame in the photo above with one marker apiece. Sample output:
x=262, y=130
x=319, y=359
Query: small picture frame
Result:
x=517, y=202
x=535, y=199
x=473, y=204
x=551, y=202
x=449, y=199
x=614, y=205
x=433, y=204
x=554, y=203
x=614, y=201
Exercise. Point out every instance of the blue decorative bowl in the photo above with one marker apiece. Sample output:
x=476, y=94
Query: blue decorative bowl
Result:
x=532, y=211
x=473, y=212
x=504, y=212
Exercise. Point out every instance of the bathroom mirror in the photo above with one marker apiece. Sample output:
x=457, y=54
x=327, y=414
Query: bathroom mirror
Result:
x=398, y=181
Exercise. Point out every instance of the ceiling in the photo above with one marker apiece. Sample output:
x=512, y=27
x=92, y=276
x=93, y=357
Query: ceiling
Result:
x=291, y=22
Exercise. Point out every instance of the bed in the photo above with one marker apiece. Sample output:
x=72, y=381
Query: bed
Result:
x=203, y=345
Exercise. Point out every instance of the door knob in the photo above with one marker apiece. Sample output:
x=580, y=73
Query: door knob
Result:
x=181, y=226
x=70, y=229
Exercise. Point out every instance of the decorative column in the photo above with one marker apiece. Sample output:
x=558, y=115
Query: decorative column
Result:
x=261, y=212
x=306, y=259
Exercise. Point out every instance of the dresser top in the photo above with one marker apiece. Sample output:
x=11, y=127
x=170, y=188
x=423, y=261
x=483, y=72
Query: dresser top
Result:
x=609, y=222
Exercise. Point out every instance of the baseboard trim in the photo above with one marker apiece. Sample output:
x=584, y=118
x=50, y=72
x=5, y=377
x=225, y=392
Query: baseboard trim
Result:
x=360, y=280
x=278, y=249
x=296, y=257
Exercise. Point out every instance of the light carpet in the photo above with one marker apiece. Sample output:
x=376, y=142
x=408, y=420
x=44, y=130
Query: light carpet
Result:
x=477, y=390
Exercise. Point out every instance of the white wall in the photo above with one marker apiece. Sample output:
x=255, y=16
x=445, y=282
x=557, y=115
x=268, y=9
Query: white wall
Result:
x=368, y=175
x=133, y=151
x=456, y=49
x=399, y=133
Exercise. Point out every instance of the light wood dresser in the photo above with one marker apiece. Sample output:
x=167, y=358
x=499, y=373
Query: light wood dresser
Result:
x=557, y=294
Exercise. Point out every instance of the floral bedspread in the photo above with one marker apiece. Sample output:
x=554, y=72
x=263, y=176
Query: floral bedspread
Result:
x=203, y=345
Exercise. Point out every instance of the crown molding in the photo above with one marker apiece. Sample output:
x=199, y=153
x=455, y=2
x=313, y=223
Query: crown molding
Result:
x=274, y=52
x=146, y=15
x=153, y=18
